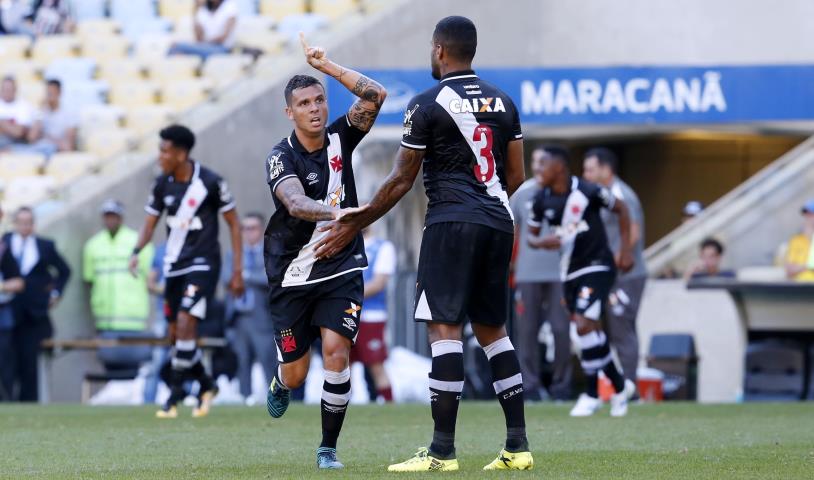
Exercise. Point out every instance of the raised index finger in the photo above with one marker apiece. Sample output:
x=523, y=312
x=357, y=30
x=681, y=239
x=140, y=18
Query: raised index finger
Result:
x=303, y=42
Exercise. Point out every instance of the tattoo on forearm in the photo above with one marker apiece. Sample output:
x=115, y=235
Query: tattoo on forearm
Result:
x=363, y=113
x=291, y=193
x=362, y=117
x=360, y=85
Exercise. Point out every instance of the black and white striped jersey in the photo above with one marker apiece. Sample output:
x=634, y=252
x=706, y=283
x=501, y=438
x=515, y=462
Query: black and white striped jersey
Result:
x=192, y=219
x=576, y=219
x=465, y=125
x=327, y=177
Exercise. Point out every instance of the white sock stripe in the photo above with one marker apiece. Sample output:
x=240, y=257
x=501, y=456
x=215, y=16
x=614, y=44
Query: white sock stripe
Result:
x=591, y=340
x=337, y=378
x=185, y=344
x=443, y=347
x=447, y=386
x=596, y=364
x=507, y=383
x=497, y=347
x=336, y=398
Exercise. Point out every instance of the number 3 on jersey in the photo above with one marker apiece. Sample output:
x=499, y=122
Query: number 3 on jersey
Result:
x=485, y=168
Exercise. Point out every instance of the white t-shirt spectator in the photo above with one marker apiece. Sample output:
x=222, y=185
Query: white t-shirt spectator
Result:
x=214, y=23
x=18, y=111
x=56, y=124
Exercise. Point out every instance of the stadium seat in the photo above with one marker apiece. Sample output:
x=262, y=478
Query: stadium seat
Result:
x=27, y=191
x=133, y=93
x=32, y=92
x=153, y=46
x=23, y=71
x=13, y=47
x=176, y=67
x=97, y=28
x=246, y=8
x=88, y=9
x=183, y=29
x=775, y=370
x=67, y=166
x=49, y=48
x=145, y=119
x=175, y=9
x=132, y=10
x=76, y=94
x=134, y=31
x=224, y=69
x=255, y=23
x=71, y=69
x=292, y=25
x=107, y=142
x=13, y=165
x=93, y=117
x=269, y=42
x=279, y=9
x=108, y=48
x=183, y=94
x=121, y=69
x=333, y=9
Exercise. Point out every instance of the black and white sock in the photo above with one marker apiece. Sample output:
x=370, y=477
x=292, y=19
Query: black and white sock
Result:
x=335, y=398
x=596, y=356
x=186, y=360
x=446, y=385
x=279, y=376
x=508, y=383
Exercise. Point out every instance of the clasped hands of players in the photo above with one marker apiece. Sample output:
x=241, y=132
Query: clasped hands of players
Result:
x=623, y=259
x=236, y=284
x=342, y=230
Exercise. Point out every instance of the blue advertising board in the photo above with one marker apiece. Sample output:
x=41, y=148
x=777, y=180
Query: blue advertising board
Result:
x=623, y=95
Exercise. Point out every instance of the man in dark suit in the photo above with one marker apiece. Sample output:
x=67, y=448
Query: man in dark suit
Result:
x=10, y=283
x=45, y=273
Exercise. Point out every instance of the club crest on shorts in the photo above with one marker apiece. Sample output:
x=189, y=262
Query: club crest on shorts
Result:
x=354, y=310
x=288, y=342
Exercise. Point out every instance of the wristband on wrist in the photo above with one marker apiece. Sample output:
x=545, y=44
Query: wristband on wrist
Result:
x=136, y=251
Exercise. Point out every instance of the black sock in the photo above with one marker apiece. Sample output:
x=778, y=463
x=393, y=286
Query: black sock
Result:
x=335, y=398
x=508, y=383
x=615, y=376
x=596, y=356
x=198, y=372
x=175, y=381
x=446, y=385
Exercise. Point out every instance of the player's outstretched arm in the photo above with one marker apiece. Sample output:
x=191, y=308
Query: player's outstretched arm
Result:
x=299, y=205
x=371, y=94
x=351, y=221
x=145, y=235
x=236, y=285
x=624, y=258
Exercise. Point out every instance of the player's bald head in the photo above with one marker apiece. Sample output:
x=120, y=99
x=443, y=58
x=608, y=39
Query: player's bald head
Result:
x=458, y=36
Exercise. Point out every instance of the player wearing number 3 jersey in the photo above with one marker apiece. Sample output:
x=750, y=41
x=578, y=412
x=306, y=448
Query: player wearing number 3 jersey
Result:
x=466, y=135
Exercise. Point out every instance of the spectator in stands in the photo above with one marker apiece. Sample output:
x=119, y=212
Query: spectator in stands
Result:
x=252, y=333
x=14, y=18
x=708, y=264
x=46, y=274
x=16, y=115
x=799, y=255
x=601, y=166
x=215, y=22
x=10, y=283
x=40, y=17
x=691, y=210
x=370, y=347
x=538, y=299
x=119, y=301
x=54, y=130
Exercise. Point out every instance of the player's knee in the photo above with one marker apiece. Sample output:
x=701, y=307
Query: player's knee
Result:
x=336, y=359
x=437, y=332
x=186, y=326
x=586, y=326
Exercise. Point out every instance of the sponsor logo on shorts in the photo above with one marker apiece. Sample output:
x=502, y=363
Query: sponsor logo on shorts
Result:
x=586, y=292
x=354, y=310
x=349, y=323
x=191, y=290
x=288, y=342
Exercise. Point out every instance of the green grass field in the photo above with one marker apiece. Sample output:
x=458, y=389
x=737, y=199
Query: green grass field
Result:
x=653, y=442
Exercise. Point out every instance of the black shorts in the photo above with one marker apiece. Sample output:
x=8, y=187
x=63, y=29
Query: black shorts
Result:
x=190, y=293
x=586, y=294
x=297, y=313
x=463, y=272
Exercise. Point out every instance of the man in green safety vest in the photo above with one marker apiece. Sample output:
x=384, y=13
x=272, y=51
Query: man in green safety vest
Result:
x=119, y=301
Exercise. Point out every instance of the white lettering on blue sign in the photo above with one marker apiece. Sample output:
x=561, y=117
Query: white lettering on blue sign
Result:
x=637, y=96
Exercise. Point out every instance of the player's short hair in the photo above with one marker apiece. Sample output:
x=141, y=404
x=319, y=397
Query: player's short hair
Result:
x=179, y=135
x=299, y=81
x=604, y=156
x=710, y=242
x=257, y=216
x=54, y=82
x=558, y=153
x=458, y=36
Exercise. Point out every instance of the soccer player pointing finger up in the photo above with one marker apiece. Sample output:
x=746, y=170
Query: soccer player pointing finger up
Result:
x=311, y=181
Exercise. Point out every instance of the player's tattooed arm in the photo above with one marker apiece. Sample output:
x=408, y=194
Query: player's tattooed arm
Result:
x=299, y=205
x=371, y=94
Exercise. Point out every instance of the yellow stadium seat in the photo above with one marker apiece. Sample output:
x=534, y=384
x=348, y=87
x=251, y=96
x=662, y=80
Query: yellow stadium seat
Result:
x=268, y=42
x=23, y=71
x=143, y=120
x=132, y=93
x=175, y=9
x=49, y=48
x=224, y=69
x=175, y=67
x=100, y=116
x=333, y=9
x=27, y=191
x=153, y=46
x=97, y=28
x=278, y=9
x=121, y=69
x=13, y=47
x=32, y=92
x=256, y=23
x=13, y=165
x=109, y=141
x=183, y=94
x=108, y=48
x=184, y=30
x=67, y=166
